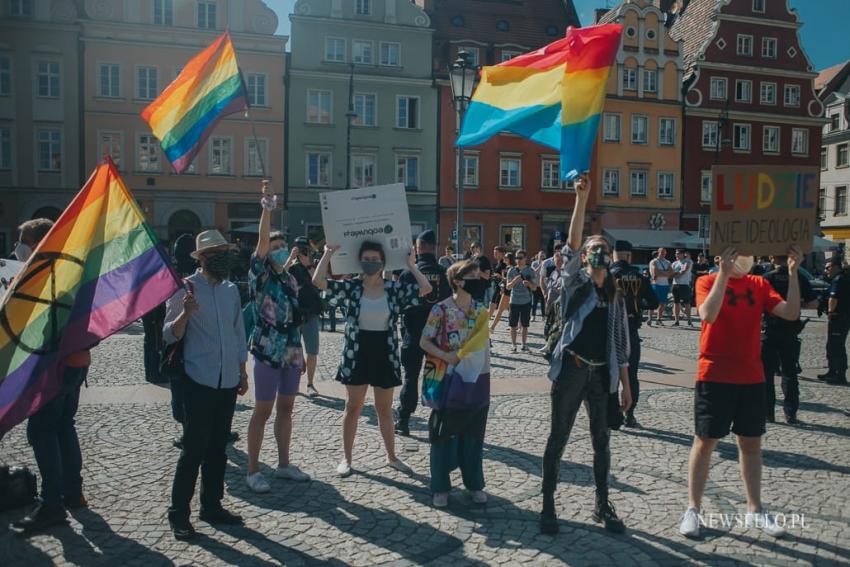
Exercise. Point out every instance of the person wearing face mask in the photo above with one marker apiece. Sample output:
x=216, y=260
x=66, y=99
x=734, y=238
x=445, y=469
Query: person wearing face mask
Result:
x=310, y=306
x=275, y=344
x=207, y=317
x=589, y=362
x=730, y=389
x=522, y=283
x=370, y=354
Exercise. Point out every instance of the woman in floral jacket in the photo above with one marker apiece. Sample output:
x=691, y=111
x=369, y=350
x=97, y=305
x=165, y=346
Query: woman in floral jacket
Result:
x=370, y=350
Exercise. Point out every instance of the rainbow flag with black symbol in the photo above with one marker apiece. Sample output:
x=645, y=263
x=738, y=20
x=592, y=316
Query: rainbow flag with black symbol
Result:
x=97, y=270
x=552, y=96
x=208, y=88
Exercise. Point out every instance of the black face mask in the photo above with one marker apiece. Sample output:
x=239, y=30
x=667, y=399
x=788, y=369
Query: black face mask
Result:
x=218, y=265
x=474, y=287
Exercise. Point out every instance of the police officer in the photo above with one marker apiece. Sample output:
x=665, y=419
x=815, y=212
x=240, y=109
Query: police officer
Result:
x=639, y=295
x=413, y=321
x=779, y=344
x=838, y=312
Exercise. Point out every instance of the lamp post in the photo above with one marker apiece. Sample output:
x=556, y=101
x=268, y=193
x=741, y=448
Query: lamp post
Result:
x=462, y=77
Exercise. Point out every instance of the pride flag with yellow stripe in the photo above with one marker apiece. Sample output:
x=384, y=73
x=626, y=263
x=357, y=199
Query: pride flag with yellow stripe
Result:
x=209, y=88
x=97, y=270
x=553, y=96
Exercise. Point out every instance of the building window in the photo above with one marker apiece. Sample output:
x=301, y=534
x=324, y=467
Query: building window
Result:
x=665, y=185
x=109, y=144
x=718, y=88
x=824, y=161
x=629, y=79
x=611, y=182
x=109, y=81
x=745, y=45
x=163, y=12
x=637, y=182
x=743, y=90
x=799, y=141
x=640, y=133
x=319, y=107
x=840, y=201
x=256, y=89
x=770, y=140
x=705, y=187
x=407, y=112
x=508, y=54
x=792, y=95
x=49, y=150
x=407, y=171
x=20, y=8
x=550, y=174
x=841, y=155
x=768, y=47
x=363, y=7
x=821, y=203
x=390, y=54
x=362, y=171
x=709, y=134
x=667, y=131
x=509, y=172
x=513, y=236
x=5, y=75
x=741, y=137
x=361, y=51
x=256, y=156
x=650, y=81
x=318, y=169
x=758, y=5
x=147, y=83
x=611, y=127
x=364, y=108
x=5, y=148
x=335, y=49
x=834, y=122
x=473, y=56
x=221, y=156
x=48, y=79
x=767, y=93
x=147, y=153
x=206, y=15
x=470, y=171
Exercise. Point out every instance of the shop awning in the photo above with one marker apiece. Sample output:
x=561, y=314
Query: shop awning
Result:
x=825, y=244
x=836, y=233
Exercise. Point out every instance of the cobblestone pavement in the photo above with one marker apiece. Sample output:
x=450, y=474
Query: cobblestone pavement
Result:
x=381, y=517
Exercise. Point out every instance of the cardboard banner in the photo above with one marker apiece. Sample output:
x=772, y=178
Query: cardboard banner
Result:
x=763, y=210
x=378, y=213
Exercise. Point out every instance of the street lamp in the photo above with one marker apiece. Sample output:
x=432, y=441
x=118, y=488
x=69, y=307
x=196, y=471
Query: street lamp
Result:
x=462, y=76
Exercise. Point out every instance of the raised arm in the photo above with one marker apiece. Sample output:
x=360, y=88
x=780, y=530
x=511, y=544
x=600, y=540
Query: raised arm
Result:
x=268, y=203
x=320, y=277
x=423, y=283
x=790, y=308
x=710, y=308
x=577, y=221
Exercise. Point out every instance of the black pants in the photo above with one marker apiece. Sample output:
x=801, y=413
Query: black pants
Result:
x=537, y=300
x=152, y=324
x=634, y=362
x=208, y=415
x=411, y=361
x=779, y=353
x=836, y=345
x=574, y=386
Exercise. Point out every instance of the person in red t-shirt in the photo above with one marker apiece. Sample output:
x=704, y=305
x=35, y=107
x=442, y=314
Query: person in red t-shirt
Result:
x=730, y=388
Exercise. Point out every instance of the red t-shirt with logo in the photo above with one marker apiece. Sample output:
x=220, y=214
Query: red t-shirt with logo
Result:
x=730, y=348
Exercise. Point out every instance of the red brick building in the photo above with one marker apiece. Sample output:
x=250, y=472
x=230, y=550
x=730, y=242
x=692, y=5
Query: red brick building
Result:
x=749, y=91
x=511, y=192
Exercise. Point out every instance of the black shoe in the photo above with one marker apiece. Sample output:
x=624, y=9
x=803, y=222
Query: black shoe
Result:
x=76, y=502
x=836, y=380
x=676, y=324
x=41, y=518
x=182, y=529
x=232, y=437
x=825, y=375
x=631, y=421
x=548, y=518
x=791, y=420
x=605, y=514
x=220, y=516
x=402, y=428
x=178, y=443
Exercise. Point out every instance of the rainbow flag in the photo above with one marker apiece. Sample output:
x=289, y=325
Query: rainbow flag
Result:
x=97, y=270
x=209, y=88
x=553, y=96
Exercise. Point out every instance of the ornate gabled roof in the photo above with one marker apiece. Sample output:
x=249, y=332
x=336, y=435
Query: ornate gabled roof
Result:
x=695, y=26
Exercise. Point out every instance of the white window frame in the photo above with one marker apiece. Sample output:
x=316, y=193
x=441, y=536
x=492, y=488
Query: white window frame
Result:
x=212, y=144
x=805, y=137
x=151, y=143
x=319, y=153
x=661, y=138
x=51, y=141
x=6, y=148
x=359, y=156
x=706, y=182
x=508, y=54
x=49, y=78
x=101, y=134
x=846, y=147
x=470, y=158
x=765, y=138
x=756, y=3
x=635, y=118
x=743, y=83
x=206, y=5
x=362, y=42
x=666, y=195
x=629, y=78
x=254, y=92
x=719, y=81
x=165, y=5
x=264, y=147
x=6, y=74
x=474, y=54
x=146, y=95
x=328, y=40
x=319, y=93
x=401, y=166
x=606, y=132
x=738, y=127
x=504, y=160
x=406, y=126
x=766, y=42
x=786, y=91
x=740, y=43
x=762, y=98
x=389, y=44
x=112, y=67
x=546, y=181
x=650, y=86
x=840, y=211
x=360, y=116
x=712, y=129
x=363, y=7
x=824, y=158
x=635, y=175
x=609, y=174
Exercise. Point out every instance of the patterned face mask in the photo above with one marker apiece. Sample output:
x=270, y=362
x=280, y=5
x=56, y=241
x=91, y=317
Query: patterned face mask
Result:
x=598, y=257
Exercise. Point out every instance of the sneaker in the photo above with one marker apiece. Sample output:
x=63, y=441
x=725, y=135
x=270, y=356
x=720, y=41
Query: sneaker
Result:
x=399, y=465
x=75, y=503
x=690, y=523
x=765, y=522
x=41, y=518
x=513, y=349
x=312, y=392
x=676, y=324
x=232, y=437
x=182, y=529
x=631, y=421
x=257, y=483
x=791, y=420
x=524, y=348
x=478, y=496
x=441, y=499
x=291, y=472
x=343, y=469
x=220, y=516
x=825, y=375
x=649, y=323
x=607, y=515
x=402, y=427
x=178, y=443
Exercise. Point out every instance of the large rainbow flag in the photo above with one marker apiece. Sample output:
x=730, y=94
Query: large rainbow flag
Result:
x=553, y=96
x=208, y=88
x=97, y=270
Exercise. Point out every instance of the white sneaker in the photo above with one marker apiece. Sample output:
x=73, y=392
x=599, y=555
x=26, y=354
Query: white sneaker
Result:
x=343, y=469
x=399, y=465
x=291, y=472
x=257, y=483
x=441, y=499
x=765, y=522
x=690, y=523
x=478, y=496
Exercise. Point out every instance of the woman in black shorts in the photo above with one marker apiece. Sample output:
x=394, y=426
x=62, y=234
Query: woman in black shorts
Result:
x=505, y=295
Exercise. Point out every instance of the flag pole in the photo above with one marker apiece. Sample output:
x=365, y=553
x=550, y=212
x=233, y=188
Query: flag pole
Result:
x=253, y=126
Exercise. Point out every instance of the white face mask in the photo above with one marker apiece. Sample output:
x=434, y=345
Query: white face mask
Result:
x=743, y=265
x=22, y=251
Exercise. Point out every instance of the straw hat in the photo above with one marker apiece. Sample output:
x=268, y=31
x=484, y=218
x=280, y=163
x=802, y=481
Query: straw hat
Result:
x=210, y=239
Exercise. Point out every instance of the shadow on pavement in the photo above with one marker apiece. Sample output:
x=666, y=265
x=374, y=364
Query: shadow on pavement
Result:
x=659, y=368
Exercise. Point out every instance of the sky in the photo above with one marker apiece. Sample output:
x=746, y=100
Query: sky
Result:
x=822, y=20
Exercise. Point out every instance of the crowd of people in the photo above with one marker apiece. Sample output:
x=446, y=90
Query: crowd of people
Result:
x=592, y=301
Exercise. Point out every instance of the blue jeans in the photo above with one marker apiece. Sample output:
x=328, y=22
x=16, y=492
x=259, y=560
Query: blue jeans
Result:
x=54, y=441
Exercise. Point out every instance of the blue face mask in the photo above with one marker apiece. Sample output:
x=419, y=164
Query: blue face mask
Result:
x=280, y=256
